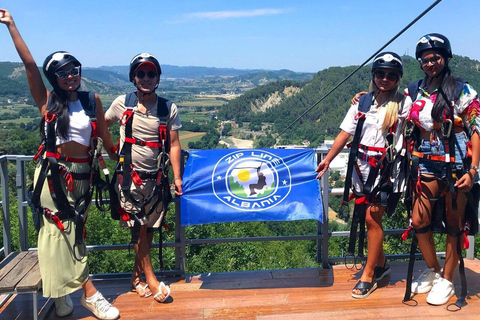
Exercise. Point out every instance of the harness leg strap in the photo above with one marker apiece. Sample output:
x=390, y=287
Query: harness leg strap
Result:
x=411, y=262
x=461, y=298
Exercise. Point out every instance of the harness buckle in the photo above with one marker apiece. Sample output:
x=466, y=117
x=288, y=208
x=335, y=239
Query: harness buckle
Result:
x=447, y=127
x=408, y=130
x=49, y=117
x=163, y=160
x=390, y=147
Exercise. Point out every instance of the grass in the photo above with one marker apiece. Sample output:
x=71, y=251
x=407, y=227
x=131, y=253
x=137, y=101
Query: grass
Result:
x=189, y=137
x=202, y=102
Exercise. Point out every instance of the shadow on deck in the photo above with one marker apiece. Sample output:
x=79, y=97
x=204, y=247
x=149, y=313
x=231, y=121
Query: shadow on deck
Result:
x=265, y=295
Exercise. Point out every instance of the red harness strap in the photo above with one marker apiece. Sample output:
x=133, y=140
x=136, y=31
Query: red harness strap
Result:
x=40, y=150
x=368, y=148
x=143, y=143
x=432, y=157
x=54, y=218
x=123, y=214
x=58, y=156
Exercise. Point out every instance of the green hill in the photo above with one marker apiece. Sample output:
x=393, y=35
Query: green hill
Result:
x=322, y=121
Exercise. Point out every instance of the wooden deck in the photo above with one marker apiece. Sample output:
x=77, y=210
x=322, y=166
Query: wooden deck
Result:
x=266, y=295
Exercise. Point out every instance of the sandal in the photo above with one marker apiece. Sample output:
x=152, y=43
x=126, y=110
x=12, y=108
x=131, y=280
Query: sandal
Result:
x=159, y=293
x=380, y=272
x=142, y=287
x=366, y=288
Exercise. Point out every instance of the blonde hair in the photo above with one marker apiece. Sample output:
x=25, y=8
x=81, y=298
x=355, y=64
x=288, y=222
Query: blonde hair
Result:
x=394, y=103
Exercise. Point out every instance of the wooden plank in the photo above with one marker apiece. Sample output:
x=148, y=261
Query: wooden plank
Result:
x=10, y=262
x=327, y=297
x=20, y=269
x=32, y=281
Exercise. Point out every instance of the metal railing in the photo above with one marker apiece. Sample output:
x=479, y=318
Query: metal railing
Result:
x=321, y=237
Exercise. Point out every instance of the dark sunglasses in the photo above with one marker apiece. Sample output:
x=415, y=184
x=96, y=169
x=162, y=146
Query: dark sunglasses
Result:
x=141, y=74
x=382, y=75
x=63, y=74
x=432, y=60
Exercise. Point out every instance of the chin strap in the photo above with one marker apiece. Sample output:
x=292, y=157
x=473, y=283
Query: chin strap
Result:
x=147, y=91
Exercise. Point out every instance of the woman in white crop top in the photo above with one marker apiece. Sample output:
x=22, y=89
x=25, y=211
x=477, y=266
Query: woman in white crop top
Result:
x=61, y=272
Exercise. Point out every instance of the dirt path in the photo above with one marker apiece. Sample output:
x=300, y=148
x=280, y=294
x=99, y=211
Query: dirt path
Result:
x=191, y=135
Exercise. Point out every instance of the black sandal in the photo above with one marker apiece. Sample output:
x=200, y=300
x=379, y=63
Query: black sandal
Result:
x=366, y=288
x=380, y=272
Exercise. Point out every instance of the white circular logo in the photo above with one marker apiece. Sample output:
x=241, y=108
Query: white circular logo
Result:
x=251, y=180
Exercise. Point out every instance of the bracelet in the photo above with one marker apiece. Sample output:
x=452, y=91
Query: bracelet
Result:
x=177, y=178
x=474, y=168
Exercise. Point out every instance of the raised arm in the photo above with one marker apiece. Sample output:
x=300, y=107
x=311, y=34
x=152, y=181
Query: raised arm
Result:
x=37, y=87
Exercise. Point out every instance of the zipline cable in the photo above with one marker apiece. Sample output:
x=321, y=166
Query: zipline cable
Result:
x=359, y=67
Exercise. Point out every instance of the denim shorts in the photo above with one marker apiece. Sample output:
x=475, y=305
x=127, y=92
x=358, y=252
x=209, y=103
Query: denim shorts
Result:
x=438, y=168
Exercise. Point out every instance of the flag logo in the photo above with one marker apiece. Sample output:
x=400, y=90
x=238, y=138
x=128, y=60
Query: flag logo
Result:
x=251, y=180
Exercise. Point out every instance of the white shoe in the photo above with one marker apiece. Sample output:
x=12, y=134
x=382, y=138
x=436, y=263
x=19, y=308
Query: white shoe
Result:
x=63, y=306
x=100, y=306
x=441, y=292
x=424, y=283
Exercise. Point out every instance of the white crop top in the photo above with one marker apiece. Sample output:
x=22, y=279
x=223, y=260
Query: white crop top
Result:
x=80, y=129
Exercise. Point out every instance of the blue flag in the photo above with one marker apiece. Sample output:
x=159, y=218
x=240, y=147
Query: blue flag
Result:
x=229, y=185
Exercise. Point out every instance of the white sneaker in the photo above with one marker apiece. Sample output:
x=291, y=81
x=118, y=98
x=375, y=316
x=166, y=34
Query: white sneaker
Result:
x=424, y=283
x=100, y=306
x=63, y=306
x=441, y=292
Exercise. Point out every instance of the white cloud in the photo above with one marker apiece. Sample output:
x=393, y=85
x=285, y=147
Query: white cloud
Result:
x=217, y=15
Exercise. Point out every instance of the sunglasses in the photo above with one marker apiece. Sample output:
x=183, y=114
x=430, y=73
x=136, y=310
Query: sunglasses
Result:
x=382, y=75
x=63, y=74
x=432, y=60
x=141, y=74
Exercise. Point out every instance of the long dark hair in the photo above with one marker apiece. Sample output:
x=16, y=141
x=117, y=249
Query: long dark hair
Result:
x=58, y=104
x=446, y=90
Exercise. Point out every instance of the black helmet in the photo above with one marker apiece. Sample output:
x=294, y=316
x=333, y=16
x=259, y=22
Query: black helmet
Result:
x=142, y=58
x=434, y=41
x=54, y=62
x=388, y=60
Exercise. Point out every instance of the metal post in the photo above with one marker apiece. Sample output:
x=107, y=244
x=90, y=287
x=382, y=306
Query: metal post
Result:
x=325, y=236
x=178, y=250
x=322, y=228
x=35, y=306
x=22, y=210
x=7, y=238
x=180, y=255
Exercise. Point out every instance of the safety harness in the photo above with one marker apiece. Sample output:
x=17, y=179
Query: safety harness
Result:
x=381, y=165
x=126, y=173
x=410, y=163
x=53, y=172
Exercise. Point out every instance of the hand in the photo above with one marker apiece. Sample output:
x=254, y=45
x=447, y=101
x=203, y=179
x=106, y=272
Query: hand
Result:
x=178, y=186
x=5, y=17
x=465, y=183
x=356, y=98
x=322, y=168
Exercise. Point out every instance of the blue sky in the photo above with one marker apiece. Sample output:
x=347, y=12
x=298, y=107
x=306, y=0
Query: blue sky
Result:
x=298, y=35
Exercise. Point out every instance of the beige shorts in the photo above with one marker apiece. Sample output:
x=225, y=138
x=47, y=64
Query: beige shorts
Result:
x=141, y=193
